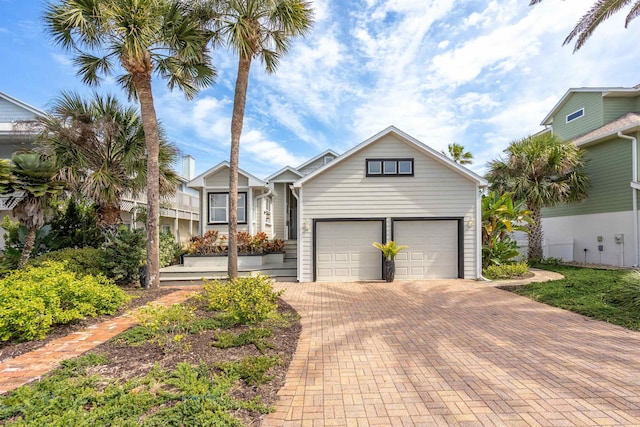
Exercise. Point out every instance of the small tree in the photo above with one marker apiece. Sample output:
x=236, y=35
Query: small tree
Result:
x=32, y=176
x=543, y=171
x=501, y=216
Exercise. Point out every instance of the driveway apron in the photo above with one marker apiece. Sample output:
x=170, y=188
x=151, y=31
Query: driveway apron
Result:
x=452, y=352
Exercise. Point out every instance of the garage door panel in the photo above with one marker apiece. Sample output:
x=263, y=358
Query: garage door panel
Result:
x=344, y=250
x=432, y=252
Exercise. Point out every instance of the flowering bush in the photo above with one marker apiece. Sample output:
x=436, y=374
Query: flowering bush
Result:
x=213, y=243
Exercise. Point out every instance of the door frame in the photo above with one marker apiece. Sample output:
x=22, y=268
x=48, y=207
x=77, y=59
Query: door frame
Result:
x=383, y=223
x=460, y=221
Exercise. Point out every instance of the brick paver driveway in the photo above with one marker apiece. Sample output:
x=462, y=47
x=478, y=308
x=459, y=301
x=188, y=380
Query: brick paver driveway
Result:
x=452, y=352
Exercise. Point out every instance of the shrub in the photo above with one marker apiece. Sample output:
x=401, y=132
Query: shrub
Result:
x=244, y=299
x=256, y=336
x=506, y=271
x=124, y=254
x=170, y=250
x=212, y=243
x=252, y=369
x=204, y=245
x=75, y=227
x=85, y=261
x=33, y=299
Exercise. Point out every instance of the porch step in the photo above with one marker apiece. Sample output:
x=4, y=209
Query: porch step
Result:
x=291, y=250
x=179, y=274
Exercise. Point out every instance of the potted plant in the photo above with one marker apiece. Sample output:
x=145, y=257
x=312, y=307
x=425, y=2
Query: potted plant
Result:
x=389, y=250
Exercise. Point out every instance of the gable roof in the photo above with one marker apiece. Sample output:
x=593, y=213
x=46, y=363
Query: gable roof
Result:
x=606, y=91
x=626, y=123
x=313, y=159
x=22, y=105
x=272, y=177
x=198, y=181
x=8, y=127
x=392, y=130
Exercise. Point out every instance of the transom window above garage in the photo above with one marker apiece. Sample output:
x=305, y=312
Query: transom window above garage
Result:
x=389, y=167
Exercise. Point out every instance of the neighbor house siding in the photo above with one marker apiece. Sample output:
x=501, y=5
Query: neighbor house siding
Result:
x=617, y=107
x=592, y=119
x=12, y=113
x=343, y=191
x=609, y=168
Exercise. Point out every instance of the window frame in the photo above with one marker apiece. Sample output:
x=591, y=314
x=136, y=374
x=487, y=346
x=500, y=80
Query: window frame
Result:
x=268, y=211
x=241, y=206
x=581, y=114
x=383, y=173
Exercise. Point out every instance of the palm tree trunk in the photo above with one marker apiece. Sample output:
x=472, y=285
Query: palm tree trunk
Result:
x=535, y=234
x=142, y=83
x=29, y=241
x=237, y=120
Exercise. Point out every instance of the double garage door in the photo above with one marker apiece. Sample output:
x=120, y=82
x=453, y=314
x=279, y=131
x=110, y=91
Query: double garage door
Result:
x=344, y=250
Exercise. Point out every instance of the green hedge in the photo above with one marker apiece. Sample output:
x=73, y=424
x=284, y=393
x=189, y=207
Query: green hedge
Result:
x=34, y=299
x=506, y=271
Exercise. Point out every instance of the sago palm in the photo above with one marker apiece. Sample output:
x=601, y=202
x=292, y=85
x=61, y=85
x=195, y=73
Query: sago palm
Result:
x=543, y=171
x=252, y=29
x=34, y=177
x=599, y=12
x=101, y=147
x=136, y=39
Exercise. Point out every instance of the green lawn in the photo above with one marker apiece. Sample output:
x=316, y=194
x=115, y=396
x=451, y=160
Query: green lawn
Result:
x=609, y=295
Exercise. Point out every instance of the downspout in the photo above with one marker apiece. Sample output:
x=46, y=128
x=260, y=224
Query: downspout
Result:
x=259, y=199
x=634, y=178
x=299, y=230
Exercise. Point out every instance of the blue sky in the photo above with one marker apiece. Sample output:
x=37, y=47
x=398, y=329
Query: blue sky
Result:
x=479, y=73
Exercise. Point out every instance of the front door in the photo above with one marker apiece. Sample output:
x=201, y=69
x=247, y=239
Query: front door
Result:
x=292, y=216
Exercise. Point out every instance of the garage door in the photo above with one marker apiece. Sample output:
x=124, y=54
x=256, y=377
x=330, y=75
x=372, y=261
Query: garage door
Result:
x=345, y=251
x=432, y=252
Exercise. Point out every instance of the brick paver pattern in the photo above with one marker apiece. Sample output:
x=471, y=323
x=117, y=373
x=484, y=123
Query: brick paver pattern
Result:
x=452, y=353
x=31, y=366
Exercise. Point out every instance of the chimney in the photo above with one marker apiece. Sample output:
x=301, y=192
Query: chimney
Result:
x=188, y=167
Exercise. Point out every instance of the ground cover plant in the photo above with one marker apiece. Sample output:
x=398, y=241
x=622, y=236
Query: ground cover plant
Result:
x=167, y=371
x=35, y=298
x=609, y=295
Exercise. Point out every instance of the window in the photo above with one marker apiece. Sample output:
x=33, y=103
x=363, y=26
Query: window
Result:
x=327, y=159
x=374, y=167
x=267, y=211
x=166, y=229
x=575, y=115
x=219, y=208
x=389, y=167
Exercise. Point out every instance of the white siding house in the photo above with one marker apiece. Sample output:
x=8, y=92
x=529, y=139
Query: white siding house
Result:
x=391, y=186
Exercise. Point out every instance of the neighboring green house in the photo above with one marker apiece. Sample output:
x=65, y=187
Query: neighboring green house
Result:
x=603, y=229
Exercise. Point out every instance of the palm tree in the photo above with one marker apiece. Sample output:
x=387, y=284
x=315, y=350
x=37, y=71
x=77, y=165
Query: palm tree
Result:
x=458, y=155
x=543, y=171
x=252, y=29
x=142, y=37
x=100, y=145
x=599, y=12
x=32, y=175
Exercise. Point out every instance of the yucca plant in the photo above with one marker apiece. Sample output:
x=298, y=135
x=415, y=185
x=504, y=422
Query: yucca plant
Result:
x=390, y=249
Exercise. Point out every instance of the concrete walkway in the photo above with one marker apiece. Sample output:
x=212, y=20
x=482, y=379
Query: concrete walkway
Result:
x=31, y=366
x=452, y=353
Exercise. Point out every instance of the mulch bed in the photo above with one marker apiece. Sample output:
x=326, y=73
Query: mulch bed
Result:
x=141, y=297
x=128, y=361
